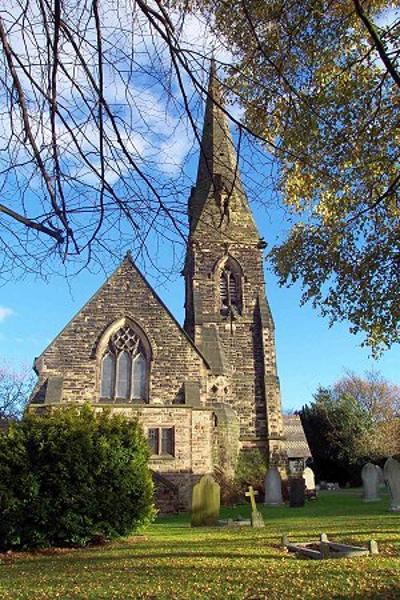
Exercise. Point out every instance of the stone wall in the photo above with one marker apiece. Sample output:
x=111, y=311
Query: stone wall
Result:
x=240, y=348
x=75, y=358
x=240, y=338
x=226, y=445
x=193, y=429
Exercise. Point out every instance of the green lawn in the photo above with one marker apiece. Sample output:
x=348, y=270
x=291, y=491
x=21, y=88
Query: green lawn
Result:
x=173, y=561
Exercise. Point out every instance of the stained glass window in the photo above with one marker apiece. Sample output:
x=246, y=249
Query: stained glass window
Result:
x=107, y=376
x=139, y=377
x=124, y=367
x=123, y=376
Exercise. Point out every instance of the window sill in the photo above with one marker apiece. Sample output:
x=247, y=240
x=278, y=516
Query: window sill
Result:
x=162, y=457
x=123, y=401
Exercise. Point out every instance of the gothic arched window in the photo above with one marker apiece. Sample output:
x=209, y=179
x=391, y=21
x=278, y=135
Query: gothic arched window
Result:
x=230, y=287
x=124, y=368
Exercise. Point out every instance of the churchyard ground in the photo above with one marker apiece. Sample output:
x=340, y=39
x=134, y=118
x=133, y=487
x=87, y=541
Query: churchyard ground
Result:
x=173, y=561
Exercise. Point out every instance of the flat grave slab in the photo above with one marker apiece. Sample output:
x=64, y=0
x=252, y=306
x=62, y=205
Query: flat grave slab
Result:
x=326, y=549
x=234, y=523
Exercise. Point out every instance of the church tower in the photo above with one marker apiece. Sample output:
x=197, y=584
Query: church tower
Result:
x=227, y=314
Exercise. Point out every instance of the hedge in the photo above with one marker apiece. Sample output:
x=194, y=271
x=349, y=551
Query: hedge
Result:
x=71, y=476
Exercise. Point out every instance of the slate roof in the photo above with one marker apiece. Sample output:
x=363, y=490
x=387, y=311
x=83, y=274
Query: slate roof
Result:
x=296, y=441
x=212, y=350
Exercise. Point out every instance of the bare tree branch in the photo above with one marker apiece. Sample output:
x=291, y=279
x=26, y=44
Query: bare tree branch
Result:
x=377, y=42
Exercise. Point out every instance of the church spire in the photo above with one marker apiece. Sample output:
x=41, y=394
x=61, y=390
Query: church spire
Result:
x=218, y=199
x=217, y=154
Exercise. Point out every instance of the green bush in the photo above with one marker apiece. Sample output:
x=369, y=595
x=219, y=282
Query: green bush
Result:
x=251, y=468
x=72, y=476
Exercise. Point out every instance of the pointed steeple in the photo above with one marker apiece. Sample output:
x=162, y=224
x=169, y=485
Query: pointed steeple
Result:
x=217, y=153
x=218, y=200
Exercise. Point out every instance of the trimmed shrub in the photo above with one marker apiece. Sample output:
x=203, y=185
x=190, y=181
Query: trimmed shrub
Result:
x=251, y=468
x=72, y=476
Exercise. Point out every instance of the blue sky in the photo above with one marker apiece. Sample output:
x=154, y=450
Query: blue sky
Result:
x=309, y=352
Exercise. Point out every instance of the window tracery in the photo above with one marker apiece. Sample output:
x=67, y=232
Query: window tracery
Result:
x=124, y=367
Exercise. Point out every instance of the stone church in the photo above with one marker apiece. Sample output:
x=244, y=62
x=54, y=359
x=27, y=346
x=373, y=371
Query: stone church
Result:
x=203, y=392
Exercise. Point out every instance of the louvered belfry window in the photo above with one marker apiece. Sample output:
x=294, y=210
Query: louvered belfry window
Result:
x=229, y=290
x=223, y=289
x=233, y=291
x=124, y=371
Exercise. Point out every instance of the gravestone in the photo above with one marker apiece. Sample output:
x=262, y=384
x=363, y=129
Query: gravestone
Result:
x=391, y=471
x=381, y=477
x=296, y=492
x=309, y=480
x=257, y=520
x=273, y=488
x=205, y=502
x=370, y=479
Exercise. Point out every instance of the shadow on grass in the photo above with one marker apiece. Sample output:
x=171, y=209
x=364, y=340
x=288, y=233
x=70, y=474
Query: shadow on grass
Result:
x=204, y=580
x=389, y=593
x=172, y=551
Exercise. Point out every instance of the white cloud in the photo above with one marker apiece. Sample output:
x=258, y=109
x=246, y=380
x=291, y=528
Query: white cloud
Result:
x=388, y=17
x=147, y=104
x=197, y=33
x=5, y=312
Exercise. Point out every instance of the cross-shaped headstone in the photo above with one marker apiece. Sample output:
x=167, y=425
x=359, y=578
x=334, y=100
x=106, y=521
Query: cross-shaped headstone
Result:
x=251, y=494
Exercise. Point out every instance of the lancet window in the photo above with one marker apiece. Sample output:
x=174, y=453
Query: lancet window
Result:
x=124, y=367
x=230, y=287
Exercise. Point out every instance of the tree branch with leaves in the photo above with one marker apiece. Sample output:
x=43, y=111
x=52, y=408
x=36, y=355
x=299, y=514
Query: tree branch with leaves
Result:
x=320, y=81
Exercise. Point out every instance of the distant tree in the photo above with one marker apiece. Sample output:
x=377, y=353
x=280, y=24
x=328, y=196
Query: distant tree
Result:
x=320, y=84
x=380, y=400
x=250, y=470
x=15, y=388
x=333, y=426
x=355, y=420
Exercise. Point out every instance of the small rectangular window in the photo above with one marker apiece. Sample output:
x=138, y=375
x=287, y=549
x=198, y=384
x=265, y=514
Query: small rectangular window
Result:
x=153, y=439
x=161, y=441
x=167, y=441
